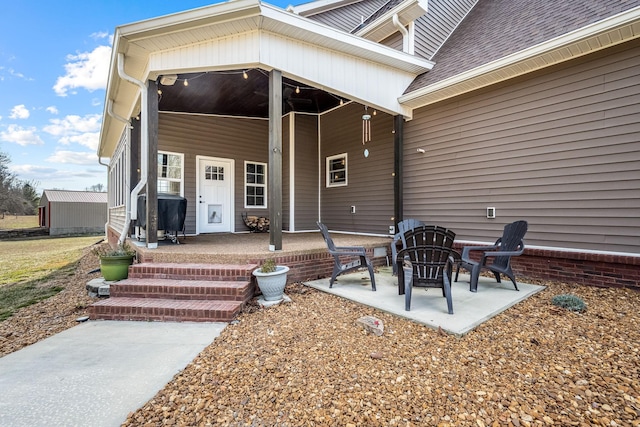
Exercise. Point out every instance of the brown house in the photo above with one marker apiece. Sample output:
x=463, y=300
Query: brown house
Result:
x=361, y=113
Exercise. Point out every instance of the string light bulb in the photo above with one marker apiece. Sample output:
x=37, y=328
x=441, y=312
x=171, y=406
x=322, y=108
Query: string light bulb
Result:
x=186, y=82
x=341, y=101
x=297, y=89
x=159, y=91
x=245, y=75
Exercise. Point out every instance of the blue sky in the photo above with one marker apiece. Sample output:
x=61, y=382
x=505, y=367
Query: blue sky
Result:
x=54, y=58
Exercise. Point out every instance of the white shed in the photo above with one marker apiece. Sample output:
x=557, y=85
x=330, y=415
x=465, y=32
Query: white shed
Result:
x=73, y=212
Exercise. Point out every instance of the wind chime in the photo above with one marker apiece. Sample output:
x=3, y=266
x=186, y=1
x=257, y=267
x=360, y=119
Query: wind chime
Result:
x=366, y=130
x=366, y=127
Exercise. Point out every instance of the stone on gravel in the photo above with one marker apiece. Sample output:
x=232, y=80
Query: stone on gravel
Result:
x=371, y=324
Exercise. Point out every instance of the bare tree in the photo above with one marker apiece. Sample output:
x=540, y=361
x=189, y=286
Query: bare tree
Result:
x=99, y=188
x=16, y=196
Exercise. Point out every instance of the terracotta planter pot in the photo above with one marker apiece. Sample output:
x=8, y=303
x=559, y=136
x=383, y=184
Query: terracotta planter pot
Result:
x=115, y=267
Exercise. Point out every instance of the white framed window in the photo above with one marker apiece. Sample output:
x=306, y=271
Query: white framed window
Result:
x=337, y=170
x=255, y=185
x=170, y=173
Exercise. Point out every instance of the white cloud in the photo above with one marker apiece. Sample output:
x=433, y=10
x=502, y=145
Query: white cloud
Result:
x=87, y=70
x=52, y=110
x=76, y=129
x=19, y=112
x=74, y=157
x=99, y=35
x=51, y=177
x=21, y=136
x=32, y=170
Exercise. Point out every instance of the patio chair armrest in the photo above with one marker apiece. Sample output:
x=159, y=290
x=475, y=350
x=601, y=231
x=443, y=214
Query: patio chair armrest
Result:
x=506, y=253
x=349, y=250
x=467, y=249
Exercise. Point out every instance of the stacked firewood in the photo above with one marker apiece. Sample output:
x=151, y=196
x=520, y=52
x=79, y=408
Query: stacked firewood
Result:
x=256, y=224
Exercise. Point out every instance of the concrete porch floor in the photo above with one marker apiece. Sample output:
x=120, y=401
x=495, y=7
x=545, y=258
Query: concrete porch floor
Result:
x=248, y=247
x=428, y=306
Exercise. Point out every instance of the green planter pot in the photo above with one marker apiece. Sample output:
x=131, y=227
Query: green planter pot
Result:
x=115, y=267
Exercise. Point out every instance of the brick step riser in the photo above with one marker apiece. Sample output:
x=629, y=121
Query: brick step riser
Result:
x=192, y=272
x=178, y=276
x=179, y=293
x=161, y=315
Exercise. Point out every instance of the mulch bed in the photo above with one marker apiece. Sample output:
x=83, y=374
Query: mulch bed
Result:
x=308, y=363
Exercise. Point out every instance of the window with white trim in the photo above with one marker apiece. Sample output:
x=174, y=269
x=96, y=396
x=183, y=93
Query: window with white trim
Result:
x=170, y=167
x=255, y=185
x=337, y=170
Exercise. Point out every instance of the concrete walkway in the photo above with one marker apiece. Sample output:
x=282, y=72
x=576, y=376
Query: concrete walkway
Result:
x=97, y=372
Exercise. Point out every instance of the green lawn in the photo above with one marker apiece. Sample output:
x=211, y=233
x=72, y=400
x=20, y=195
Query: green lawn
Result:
x=26, y=264
x=12, y=222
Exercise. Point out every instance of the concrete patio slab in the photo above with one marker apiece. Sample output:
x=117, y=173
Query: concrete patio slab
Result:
x=428, y=306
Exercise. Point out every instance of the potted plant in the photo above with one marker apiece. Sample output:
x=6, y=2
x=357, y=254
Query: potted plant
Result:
x=115, y=262
x=271, y=279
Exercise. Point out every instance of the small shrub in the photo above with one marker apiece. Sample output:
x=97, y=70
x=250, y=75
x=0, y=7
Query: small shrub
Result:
x=268, y=266
x=570, y=302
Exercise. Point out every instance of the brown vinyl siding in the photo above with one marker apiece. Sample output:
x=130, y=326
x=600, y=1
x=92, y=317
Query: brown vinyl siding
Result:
x=560, y=149
x=441, y=19
x=394, y=41
x=348, y=17
x=239, y=139
x=306, y=172
x=370, y=180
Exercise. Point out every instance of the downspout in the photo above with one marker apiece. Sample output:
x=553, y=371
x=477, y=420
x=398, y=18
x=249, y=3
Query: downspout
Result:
x=144, y=142
x=127, y=178
x=403, y=31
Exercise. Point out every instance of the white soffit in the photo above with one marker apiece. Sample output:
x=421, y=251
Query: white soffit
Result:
x=601, y=35
x=407, y=11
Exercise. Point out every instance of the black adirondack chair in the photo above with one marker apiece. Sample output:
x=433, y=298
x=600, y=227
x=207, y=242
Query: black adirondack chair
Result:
x=356, y=254
x=403, y=226
x=426, y=261
x=509, y=245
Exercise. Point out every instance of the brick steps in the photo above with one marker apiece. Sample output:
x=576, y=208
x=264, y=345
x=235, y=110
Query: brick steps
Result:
x=181, y=289
x=178, y=293
x=165, y=310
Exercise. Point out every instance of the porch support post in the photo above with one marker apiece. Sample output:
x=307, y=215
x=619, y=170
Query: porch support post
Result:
x=398, y=128
x=275, y=160
x=134, y=163
x=152, y=162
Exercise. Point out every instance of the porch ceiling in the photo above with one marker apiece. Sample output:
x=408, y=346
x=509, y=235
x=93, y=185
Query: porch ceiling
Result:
x=229, y=93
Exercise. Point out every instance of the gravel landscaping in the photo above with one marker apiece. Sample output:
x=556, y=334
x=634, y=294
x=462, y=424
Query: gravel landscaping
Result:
x=307, y=362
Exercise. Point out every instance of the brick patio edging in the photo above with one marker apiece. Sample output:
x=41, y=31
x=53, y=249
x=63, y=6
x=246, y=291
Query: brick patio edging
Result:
x=591, y=269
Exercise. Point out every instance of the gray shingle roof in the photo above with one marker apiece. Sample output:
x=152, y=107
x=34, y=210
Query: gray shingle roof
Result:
x=497, y=28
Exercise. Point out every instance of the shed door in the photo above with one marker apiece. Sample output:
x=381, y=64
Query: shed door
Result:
x=215, y=183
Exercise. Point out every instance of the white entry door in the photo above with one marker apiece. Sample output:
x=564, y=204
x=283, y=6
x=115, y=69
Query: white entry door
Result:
x=215, y=184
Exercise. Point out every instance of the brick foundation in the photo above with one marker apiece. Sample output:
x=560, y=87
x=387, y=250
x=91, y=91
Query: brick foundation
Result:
x=603, y=270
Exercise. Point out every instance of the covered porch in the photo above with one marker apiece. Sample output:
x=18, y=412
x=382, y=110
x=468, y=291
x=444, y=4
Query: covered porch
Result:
x=304, y=253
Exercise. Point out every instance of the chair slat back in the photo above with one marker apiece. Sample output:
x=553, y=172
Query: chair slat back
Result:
x=511, y=240
x=326, y=236
x=428, y=248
